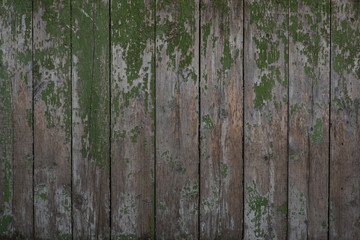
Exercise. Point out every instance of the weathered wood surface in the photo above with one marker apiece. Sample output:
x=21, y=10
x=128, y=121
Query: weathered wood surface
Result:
x=177, y=105
x=16, y=158
x=345, y=120
x=52, y=119
x=132, y=117
x=266, y=113
x=90, y=119
x=309, y=66
x=221, y=120
x=179, y=119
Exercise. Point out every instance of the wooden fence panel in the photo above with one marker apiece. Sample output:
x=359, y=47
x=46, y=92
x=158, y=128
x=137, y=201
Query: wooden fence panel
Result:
x=345, y=128
x=158, y=119
x=309, y=79
x=132, y=117
x=177, y=106
x=16, y=141
x=52, y=119
x=266, y=115
x=90, y=100
x=221, y=120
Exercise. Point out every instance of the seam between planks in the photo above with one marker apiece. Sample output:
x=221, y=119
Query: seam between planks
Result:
x=71, y=119
x=155, y=126
x=243, y=124
x=329, y=133
x=33, y=112
x=288, y=122
x=199, y=125
x=110, y=121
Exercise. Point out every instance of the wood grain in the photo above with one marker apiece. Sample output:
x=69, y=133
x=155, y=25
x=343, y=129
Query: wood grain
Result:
x=90, y=99
x=345, y=128
x=177, y=156
x=16, y=140
x=52, y=119
x=309, y=66
x=132, y=112
x=221, y=120
x=266, y=118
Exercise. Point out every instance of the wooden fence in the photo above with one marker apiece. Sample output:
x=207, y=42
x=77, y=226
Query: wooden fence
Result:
x=179, y=119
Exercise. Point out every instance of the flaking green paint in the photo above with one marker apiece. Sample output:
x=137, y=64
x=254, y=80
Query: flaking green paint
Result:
x=317, y=133
x=257, y=208
x=90, y=47
x=207, y=122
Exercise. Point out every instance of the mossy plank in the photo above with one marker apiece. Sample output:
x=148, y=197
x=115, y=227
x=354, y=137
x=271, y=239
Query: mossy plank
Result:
x=16, y=202
x=52, y=119
x=345, y=120
x=221, y=120
x=177, y=156
x=266, y=81
x=309, y=81
x=90, y=119
x=132, y=112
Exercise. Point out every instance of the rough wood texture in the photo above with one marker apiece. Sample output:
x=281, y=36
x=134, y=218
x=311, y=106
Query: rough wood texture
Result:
x=16, y=158
x=132, y=111
x=221, y=119
x=90, y=96
x=177, y=156
x=266, y=80
x=309, y=65
x=345, y=128
x=52, y=119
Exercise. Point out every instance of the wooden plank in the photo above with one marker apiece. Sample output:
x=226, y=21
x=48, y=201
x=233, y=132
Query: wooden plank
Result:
x=16, y=140
x=345, y=128
x=132, y=112
x=177, y=156
x=52, y=119
x=222, y=120
x=266, y=111
x=309, y=66
x=91, y=144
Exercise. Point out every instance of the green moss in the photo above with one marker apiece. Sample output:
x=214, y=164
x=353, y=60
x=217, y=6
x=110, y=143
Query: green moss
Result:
x=208, y=124
x=206, y=32
x=258, y=209
x=162, y=206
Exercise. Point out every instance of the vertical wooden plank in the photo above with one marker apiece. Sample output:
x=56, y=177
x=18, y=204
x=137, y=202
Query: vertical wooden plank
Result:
x=132, y=112
x=345, y=128
x=90, y=54
x=52, y=119
x=16, y=140
x=266, y=82
x=221, y=119
x=177, y=156
x=309, y=66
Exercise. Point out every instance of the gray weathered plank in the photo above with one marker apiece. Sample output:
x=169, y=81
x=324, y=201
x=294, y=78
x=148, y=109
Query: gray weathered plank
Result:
x=16, y=158
x=177, y=156
x=90, y=118
x=266, y=80
x=309, y=79
x=345, y=128
x=52, y=119
x=221, y=120
x=132, y=112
